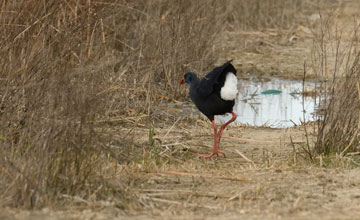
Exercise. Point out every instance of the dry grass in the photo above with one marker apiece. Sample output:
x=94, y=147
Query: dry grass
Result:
x=336, y=58
x=276, y=15
x=71, y=70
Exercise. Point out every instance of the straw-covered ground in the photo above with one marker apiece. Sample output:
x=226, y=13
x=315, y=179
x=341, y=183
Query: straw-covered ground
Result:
x=263, y=177
x=155, y=174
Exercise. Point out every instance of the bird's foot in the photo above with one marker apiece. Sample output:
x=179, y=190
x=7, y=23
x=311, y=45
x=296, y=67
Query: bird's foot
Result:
x=207, y=156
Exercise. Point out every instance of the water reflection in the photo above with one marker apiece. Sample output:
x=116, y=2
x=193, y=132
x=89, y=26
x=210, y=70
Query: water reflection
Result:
x=274, y=103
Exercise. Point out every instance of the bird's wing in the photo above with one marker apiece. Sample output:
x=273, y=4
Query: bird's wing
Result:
x=214, y=80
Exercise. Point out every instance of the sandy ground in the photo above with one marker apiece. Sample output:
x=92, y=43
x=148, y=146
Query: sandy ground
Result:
x=264, y=175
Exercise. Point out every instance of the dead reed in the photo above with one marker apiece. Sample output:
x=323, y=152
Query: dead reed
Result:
x=336, y=58
x=68, y=64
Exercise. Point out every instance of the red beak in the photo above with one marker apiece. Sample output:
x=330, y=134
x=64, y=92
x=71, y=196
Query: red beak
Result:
x=181, y=81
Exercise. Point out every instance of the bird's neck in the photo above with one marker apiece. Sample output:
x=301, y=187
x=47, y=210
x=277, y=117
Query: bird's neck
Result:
x=194, y=81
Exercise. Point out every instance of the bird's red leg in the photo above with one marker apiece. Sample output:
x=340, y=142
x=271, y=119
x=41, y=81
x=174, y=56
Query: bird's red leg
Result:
x=216, y=147
x=223, y=127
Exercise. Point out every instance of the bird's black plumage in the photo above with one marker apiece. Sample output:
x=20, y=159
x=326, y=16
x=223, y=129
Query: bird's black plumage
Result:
x=214, y=95
x=205, y=93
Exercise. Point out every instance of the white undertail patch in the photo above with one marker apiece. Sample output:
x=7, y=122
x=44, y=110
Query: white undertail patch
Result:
x=229, y=90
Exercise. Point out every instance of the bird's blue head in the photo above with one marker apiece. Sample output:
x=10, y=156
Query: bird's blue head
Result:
x=188, y=78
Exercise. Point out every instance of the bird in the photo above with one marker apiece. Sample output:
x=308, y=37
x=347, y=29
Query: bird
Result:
x=214, y=94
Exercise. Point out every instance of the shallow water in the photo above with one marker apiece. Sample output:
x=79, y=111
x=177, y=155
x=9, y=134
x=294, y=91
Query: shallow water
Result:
x=273, y=103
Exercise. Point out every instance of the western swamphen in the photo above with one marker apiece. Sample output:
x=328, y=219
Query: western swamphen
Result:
x=214, y=95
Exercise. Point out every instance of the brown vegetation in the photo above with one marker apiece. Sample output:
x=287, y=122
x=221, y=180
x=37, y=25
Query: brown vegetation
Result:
x=336, y=60
x=72, y=72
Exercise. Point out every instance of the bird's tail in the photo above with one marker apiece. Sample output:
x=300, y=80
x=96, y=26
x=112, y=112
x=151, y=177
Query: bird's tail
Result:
x=229, y=90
